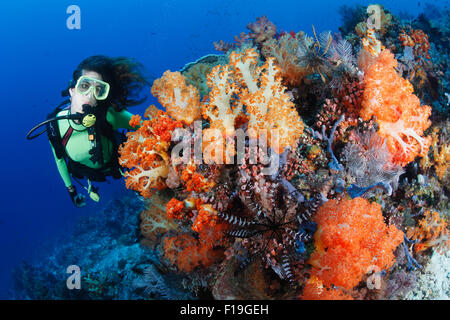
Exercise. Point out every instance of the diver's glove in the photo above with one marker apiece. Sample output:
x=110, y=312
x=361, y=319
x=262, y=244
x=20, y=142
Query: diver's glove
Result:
x=77, y=199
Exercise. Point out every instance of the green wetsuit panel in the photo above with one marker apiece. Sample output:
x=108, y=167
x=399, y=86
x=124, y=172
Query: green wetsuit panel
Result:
x=78, y=146
x=62, y=168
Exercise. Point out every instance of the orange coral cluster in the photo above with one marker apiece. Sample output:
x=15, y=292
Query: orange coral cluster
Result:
x=430, y=232
x=315, y=290
x=146, y=153
x=401, y=118
x=187, y=252
x=371, y=44
x=182, y=102
x=174, y=209
x=206, y=217
x=418, y=40
x=195, y=181
x=206, y=214
x=440, y=159
x=351, y=238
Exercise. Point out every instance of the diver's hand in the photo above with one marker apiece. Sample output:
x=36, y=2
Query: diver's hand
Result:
x=77, y=199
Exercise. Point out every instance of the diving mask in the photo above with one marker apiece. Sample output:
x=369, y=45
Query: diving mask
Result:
x=87, y=84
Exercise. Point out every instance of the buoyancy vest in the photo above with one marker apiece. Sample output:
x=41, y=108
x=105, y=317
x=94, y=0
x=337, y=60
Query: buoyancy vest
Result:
x=102, y=128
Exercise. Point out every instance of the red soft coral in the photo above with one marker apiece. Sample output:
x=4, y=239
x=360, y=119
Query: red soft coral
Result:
x=351, y=237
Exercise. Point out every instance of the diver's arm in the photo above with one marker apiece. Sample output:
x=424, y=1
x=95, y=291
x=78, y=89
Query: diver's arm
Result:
x=77, y=199
x=120, y=119
x=62, y=168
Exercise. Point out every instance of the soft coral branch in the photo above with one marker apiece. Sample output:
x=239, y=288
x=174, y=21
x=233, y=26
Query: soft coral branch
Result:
x=146, y=153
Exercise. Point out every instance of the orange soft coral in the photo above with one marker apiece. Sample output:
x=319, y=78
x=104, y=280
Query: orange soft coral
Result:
x=430, y=232
x=418, y=40
x=182, y=102
x=146, y=153
x=371, y=44
x=351, y=237
x=174, y=209
x=195, y=181
x=188, y=252
x=401, y=118
x=438, y=156
x=135, y=120
x=206, y=218
x=314, y=290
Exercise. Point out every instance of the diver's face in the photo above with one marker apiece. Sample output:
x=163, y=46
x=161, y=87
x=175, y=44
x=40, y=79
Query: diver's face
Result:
x=77, y=99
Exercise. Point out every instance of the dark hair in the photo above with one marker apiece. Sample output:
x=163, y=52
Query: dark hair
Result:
x=124, y=76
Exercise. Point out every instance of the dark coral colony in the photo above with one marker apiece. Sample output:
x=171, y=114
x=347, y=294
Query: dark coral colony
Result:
x=292, y=166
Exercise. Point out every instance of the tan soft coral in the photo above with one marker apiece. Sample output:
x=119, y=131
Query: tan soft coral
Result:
x=351, y=238
x=269, y=109
x=268, y=106
x=284, y=51
x=401, y=118
x=182, y=102
x=154, y=221
x=221, y=111
x=376, y=15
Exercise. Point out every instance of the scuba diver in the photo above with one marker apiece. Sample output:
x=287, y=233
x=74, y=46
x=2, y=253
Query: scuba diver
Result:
x=83, y=135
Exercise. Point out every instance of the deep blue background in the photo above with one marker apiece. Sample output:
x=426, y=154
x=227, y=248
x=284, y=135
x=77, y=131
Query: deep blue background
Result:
x=39, y=55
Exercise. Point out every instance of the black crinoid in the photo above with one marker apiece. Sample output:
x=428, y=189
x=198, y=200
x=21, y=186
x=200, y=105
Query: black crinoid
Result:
x=313, y=54
x=272, y=220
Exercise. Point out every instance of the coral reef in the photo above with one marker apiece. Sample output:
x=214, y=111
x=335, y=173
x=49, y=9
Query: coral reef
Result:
x=291, y=166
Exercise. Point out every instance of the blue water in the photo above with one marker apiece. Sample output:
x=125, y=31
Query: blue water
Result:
x=39, y=54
